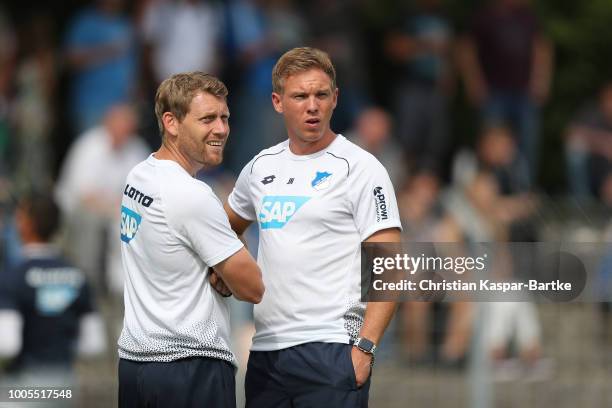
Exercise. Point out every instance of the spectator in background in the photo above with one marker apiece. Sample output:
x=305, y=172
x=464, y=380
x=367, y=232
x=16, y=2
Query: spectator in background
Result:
x=514, y=329
x=181, y=36
x=335, y=28
x=432, y=331
x=421, y=209
x=178, y=36
x=497, y=154
x=101, y=52
x=257, y=32
x=89, y=191
x=372, y=132
x=47, y=314
x=483, y=214
x=589, y=149
x=422, y=46
x=36, y=81
x=477, y=213
x=506, y=63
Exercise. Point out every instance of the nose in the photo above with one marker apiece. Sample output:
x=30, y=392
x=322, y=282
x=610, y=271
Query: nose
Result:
x=313, y=105
x=221, y=127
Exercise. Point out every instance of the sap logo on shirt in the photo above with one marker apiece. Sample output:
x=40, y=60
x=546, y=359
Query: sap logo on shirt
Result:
x=321, y=180
x=276, y=211
x=52, y=300
x=56, y=288
x=130, y=221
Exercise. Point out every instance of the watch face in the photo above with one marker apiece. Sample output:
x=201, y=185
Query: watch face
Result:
x=366, y=345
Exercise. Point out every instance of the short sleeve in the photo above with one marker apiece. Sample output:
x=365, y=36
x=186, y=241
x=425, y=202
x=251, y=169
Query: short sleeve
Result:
x=204, y=224
x=240, y=198
x=372, y=198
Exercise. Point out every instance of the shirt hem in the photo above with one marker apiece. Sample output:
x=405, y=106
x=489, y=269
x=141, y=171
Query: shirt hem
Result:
x=264, y=346
x=155, y=359
x=379, y=227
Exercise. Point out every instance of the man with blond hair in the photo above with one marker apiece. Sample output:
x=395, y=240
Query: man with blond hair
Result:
x=316, y=197
x=174, y=347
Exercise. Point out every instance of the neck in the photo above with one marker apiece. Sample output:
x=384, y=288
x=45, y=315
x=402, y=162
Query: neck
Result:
x=169, y=151
x=301, y=148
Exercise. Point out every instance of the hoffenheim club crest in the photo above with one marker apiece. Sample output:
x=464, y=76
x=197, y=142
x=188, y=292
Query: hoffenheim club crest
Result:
x=321, y=180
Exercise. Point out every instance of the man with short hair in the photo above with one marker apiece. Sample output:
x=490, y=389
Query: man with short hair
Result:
x=316, y=198
x=174, y=348
x=47, y=308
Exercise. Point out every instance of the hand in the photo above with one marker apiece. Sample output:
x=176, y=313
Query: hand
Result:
x=218, y=284
x=362, y=365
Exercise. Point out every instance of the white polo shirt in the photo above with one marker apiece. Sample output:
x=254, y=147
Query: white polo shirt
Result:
x=173, y=228
x=313, y=212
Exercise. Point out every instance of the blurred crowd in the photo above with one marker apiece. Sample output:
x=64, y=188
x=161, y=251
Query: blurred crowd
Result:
x=76, y=113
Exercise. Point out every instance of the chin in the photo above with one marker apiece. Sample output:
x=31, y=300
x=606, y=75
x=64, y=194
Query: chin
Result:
x=312, y=137
x=213, y=163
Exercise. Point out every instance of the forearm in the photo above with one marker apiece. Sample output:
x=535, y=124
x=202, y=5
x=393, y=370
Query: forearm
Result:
x=242, y=276
x=377, y=318
x=379, y=314
x=247, y=286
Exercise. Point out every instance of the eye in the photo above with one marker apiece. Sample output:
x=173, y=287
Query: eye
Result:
x=299, y=97
x=207, y=119
x=322, y=95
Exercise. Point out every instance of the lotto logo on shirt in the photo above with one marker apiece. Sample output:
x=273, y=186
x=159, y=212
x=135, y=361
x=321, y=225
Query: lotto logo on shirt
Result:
x=276, y=211
x=130, y=221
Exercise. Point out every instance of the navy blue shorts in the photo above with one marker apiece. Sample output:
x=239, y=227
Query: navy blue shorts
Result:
x=190, y=382
x=308, y=375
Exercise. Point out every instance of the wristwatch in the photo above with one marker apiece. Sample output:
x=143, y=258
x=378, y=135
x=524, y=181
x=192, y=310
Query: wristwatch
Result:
x=365, y=345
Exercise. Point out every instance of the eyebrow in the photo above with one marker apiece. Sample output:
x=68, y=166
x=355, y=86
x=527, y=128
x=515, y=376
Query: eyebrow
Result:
x=322, y=88
x=212, y=114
